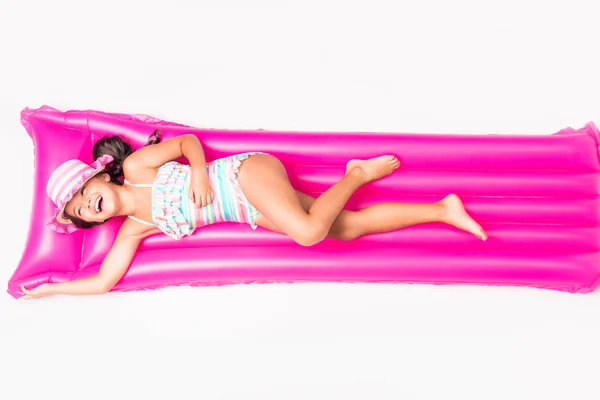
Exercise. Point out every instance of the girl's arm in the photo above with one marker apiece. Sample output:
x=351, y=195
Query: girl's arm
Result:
x=154, y=156
x=188, y=145
x=113, y=267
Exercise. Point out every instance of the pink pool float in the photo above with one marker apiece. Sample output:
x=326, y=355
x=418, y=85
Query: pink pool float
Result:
x=536, y=196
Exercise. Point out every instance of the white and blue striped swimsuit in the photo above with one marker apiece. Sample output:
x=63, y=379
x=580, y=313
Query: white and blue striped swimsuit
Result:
x=174, y=213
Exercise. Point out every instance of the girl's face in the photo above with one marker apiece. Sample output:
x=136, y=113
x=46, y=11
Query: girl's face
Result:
x=94, y=201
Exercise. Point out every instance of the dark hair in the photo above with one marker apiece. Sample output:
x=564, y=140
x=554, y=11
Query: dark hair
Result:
x=119, y=150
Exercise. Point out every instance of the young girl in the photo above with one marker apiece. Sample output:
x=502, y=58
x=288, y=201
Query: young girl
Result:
x=161, y=195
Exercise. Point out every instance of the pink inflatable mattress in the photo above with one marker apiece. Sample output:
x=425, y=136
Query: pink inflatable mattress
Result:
x=537, y=197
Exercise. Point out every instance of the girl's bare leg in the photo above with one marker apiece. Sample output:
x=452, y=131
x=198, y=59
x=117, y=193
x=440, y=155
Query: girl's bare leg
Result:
x=265, y=183
x=384, y=217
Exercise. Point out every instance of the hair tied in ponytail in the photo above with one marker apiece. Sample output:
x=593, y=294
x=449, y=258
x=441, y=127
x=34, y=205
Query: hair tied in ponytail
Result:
x=154, y=138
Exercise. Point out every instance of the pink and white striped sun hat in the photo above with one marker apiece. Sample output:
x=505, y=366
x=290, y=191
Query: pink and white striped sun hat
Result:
x=64, y=182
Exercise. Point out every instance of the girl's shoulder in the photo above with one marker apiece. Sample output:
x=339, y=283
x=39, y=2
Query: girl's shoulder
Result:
x=138, y=174
x=131, y=228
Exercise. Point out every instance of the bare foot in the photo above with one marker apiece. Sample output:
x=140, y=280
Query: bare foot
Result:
x=458, y=217
x=373, y=168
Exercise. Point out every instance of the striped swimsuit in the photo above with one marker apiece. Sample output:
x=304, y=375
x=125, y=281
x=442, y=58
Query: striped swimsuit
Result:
x=174, y=213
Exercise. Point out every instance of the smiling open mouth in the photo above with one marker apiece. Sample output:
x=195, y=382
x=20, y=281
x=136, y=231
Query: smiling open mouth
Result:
x=99, y=204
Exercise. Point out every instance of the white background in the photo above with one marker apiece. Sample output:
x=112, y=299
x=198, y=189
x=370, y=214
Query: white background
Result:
x=450, y=67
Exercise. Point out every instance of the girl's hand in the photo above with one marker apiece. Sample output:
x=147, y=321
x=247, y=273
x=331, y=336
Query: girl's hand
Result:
x=36, y=293
x=201, y=192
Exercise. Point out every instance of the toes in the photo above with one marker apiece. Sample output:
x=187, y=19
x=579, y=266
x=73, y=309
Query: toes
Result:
x=481, y=233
